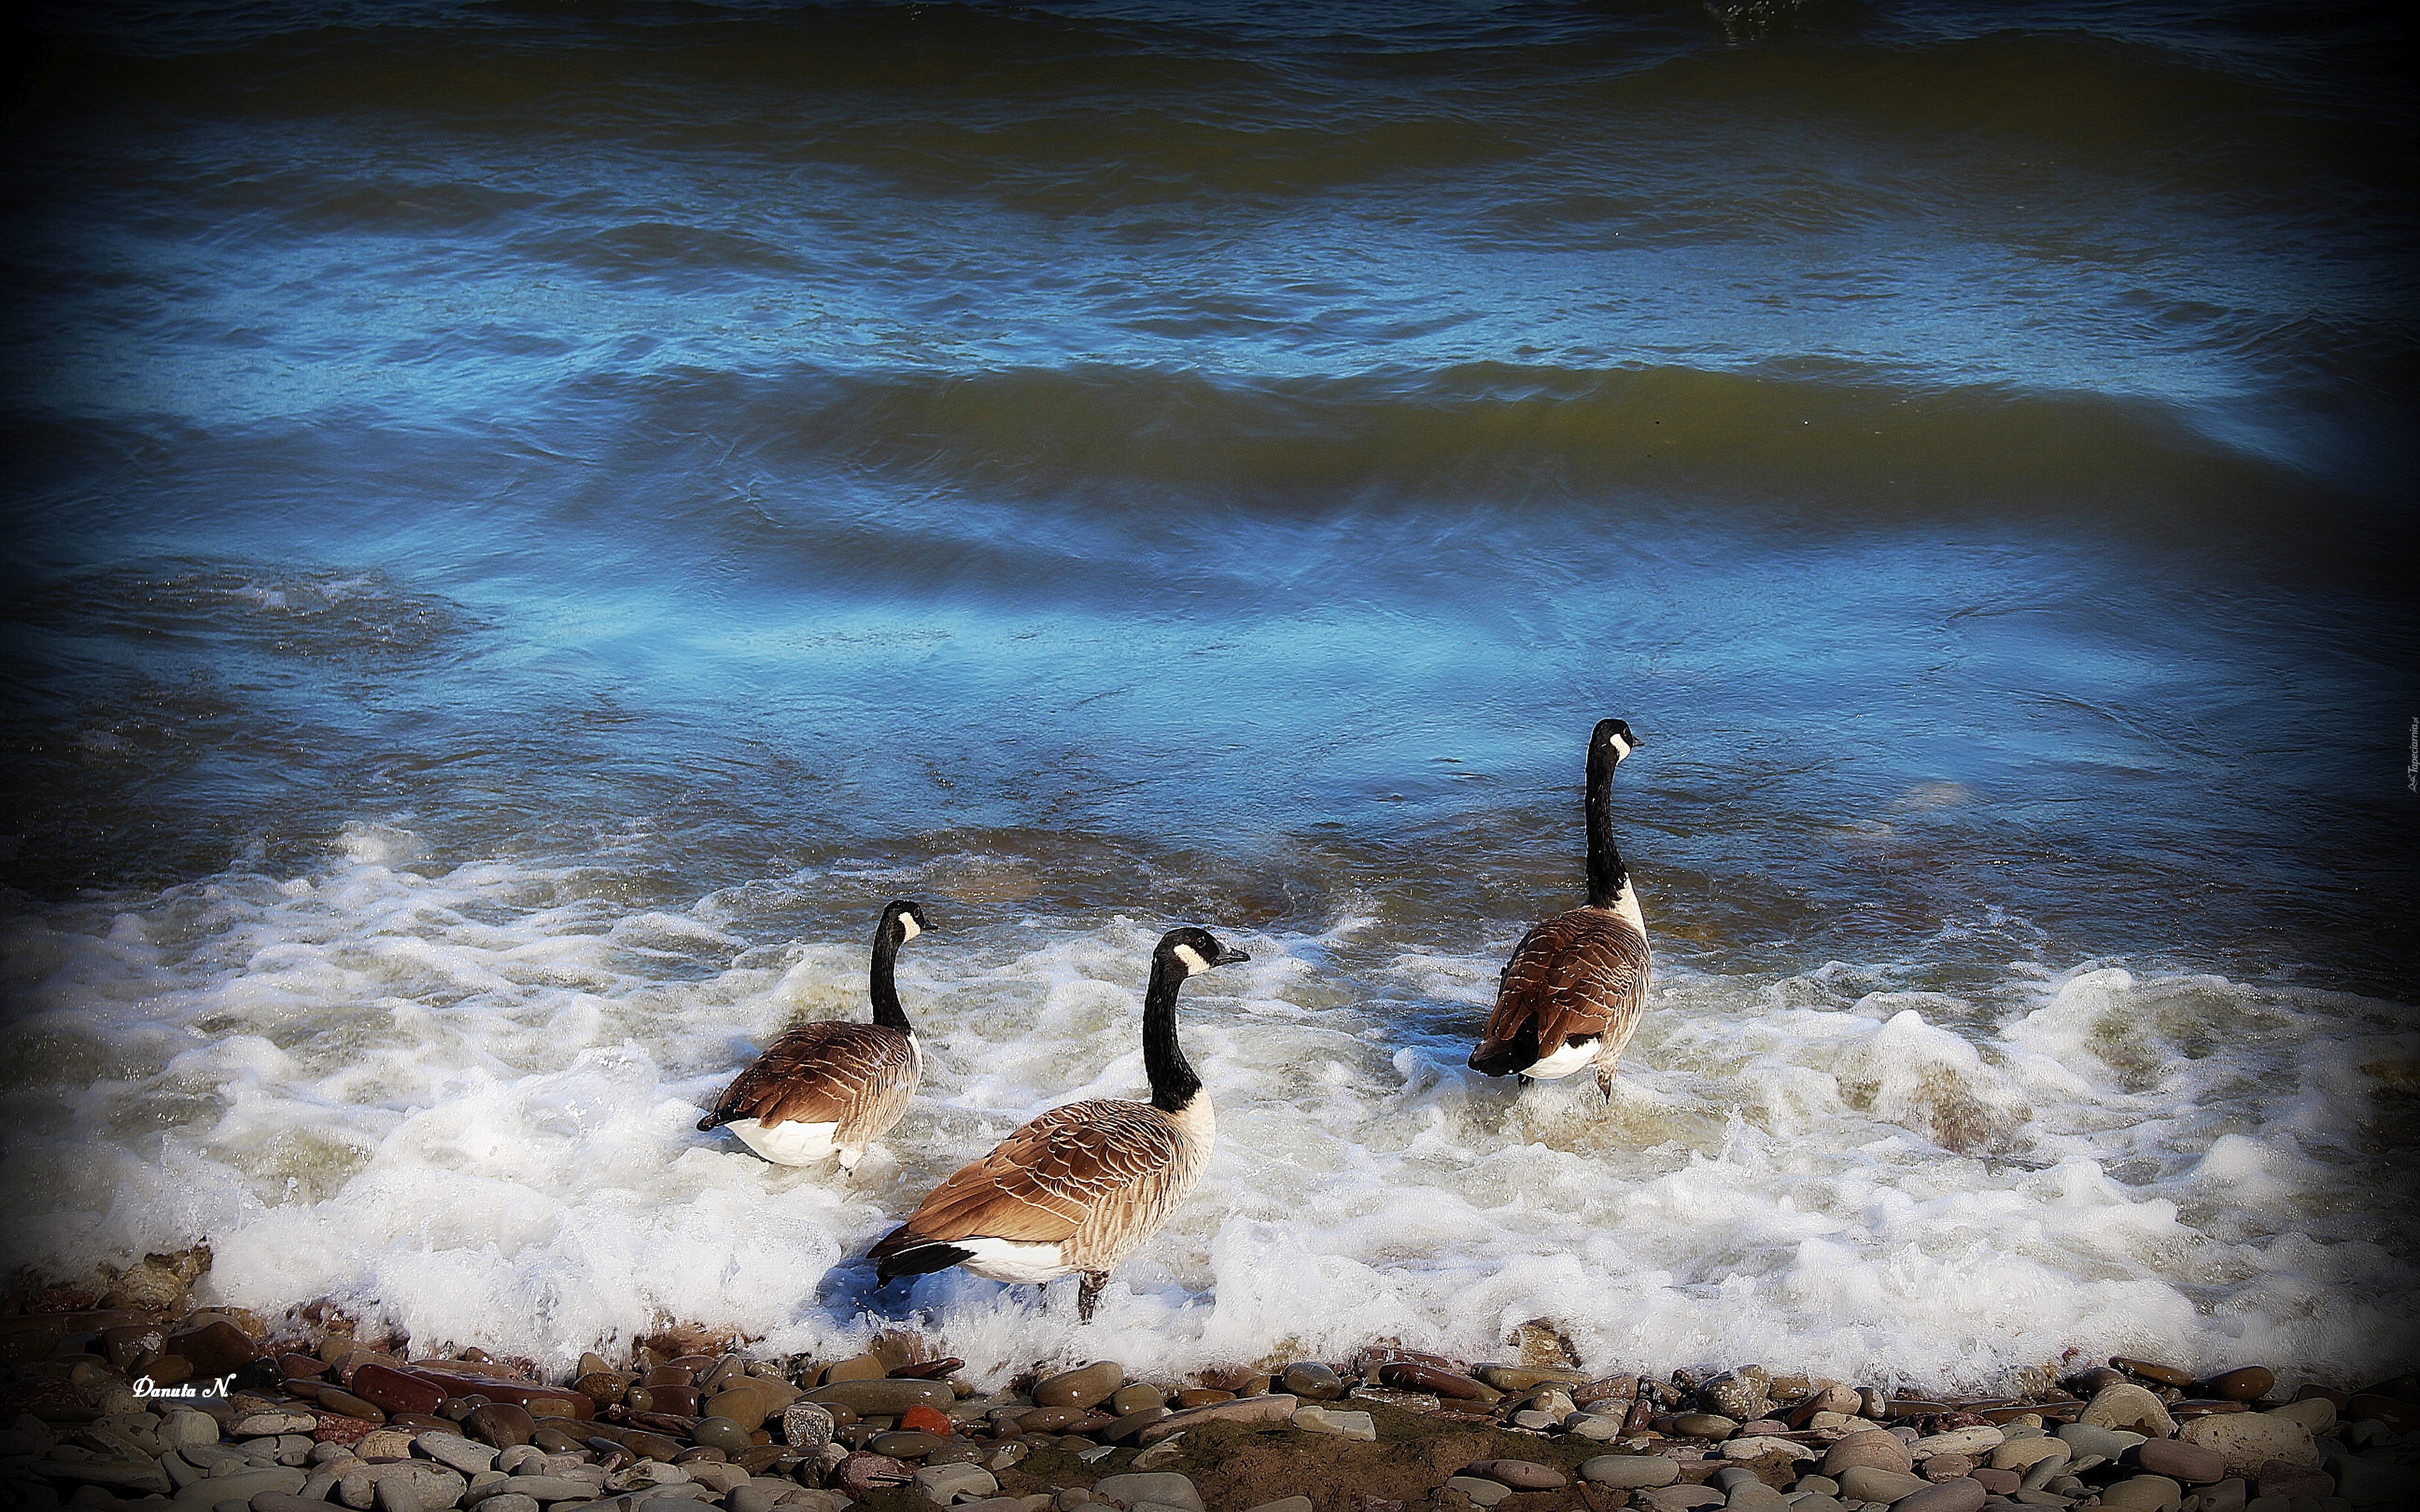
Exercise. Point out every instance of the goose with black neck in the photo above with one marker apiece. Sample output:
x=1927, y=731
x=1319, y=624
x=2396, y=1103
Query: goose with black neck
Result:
x=1571, y=995
x=1077, y=1189
x=833, y=1088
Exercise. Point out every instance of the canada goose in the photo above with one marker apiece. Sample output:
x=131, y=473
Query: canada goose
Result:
x=1076, y=1189
x=1571, y=992
x=833, y=1086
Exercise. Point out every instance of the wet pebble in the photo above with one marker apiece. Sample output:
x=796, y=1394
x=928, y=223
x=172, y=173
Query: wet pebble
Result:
x=1087, y=1386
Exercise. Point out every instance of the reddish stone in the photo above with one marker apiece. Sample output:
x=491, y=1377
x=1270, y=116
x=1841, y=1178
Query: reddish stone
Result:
x=925, y=1419
x=1946, y=1467
x=2191, y=1463
x=1998, y=1482
x=2248, y=1384
x=1609, y=1389
x=501, y=1423
x=495, y=1388
x=681, y=1400
x=669, y=1375
x=396, y=1392
x=217, y=1349
x=1414, y=1375
x=927, y=1370
x=335, y=1429
x=2279, y=1477
x=302, y=1366
x=350, y=1405
x=169, y=1369
x=2166, y=1375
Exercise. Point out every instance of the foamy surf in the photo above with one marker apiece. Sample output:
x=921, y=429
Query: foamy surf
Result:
x=462, y=1098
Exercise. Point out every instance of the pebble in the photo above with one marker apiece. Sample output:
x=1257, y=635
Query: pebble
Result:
x=2088, y=1439
x=721, y=1433
x=1163, y=1488
x=2024, y=1454
x=1865, y=1483
x=2127, y=1407
x=1342, y=1423
x=2248, y=1384
x=1630, y=1471
x=1289, y=1504
x=1756, y=1496
x=2316, y=1413
x=908, y=1443
x=1594, y=1426
x=1874, y=1447
x=2246, y=1441
x=1087, y=1387
x=1276, y=1410
x=806, y=1425
x=255, y=1425
x=2367, y=1482
x=1203, y=1396
x=453, y=1450
x=1962, y=1495
x=2191, y=1463
x=1521, y=1474
x=1968, y=1441
x=1428, y=1378
x=502, y=1423
x=1312, y=1382
x=1757, y=1448
x=1481, y=1493
x=1526, y=1378
x=884, y=1397
x=940, y=1482
x=1704, y=1426
x=1131, y=1424
x=860, y=1473
x=1947, y=1467
x=1134, y=1398
x=1737, y=1397
x=2144, y=1493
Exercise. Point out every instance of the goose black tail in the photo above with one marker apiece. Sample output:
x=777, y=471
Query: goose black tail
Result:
x=902, y=1253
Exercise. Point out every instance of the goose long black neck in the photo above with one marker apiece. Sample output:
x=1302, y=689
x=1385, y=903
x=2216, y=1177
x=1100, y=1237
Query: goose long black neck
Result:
x=1173, y=1085
x=880, y=987
x=1607, y=875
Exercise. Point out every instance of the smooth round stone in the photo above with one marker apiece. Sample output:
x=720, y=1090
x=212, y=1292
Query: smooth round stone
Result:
x=669, y=1375
x=1704, y=1426
x=1133, y=1423
x=1203, y=1396
x=1962, y=1495
x=1134, y=1398
x=957, y=1453
x=2127, y=1407
x=2024, y=1454
x=648, y=1446
x=681, y=1400
x=1521, y=1474
x=1597, y=1427
x=1418, y=1377
x=554, y=1441
x=1948, y=1467
x=908, y=1443
x=1864, y=1483
x=1310, y=1381
x=742, y=1404
x=880, y=1397
x=639, y=1399
x=1819, y=1485
x=1051, y=1419
x=501, y=1423
x=2191, y=1463
x=2247, y=1441
x=1087, y=1386
x=1477, y=1489
x=2088, y=1439
x=1630, y=1471
x=2247, y=1385
x=1874, y=1449
x=2143, y=1493
x=856, y=1367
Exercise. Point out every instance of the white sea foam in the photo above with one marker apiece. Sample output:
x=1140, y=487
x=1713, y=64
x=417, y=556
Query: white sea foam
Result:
x=465, y=1099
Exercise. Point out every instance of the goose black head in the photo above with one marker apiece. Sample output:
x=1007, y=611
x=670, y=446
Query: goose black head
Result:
x=1196, y=950
x=904, y=918
x=1615, y=737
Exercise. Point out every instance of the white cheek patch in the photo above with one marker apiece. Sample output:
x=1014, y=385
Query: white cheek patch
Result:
x=1194, y=964
x=1620, y=748
x=908, y=928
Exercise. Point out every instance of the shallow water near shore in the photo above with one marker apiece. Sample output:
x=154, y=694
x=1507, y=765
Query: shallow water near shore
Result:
x=536, y=524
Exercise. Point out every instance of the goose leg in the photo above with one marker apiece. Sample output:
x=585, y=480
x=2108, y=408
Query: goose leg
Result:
x=1087, y=1292
x=1605, y=1082
x=1520, y=1079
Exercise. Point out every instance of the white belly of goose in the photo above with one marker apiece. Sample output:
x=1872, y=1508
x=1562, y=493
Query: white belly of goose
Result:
x=787, y=1144
x=1006, y=1259
x=1570, y=1058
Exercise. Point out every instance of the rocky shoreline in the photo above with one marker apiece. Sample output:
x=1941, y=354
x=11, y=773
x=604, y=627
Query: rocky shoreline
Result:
x=223, y=1411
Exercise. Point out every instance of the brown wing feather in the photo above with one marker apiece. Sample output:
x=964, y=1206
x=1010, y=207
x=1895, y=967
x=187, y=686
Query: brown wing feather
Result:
x=1584, y=973
x=1043, y=1182
x=821, y=1073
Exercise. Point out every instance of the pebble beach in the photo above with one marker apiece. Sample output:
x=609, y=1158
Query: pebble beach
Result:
x=230, y=1412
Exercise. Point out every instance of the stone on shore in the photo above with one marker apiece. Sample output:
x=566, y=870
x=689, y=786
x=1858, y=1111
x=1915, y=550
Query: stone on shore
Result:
x=1276, y=1410
x=2246, y=1441
x=1630, y=1471
x=2144, y=1493
x=1865, y=1483
x=1477, y=1490
x=1521, y=1474
x=1087, y=1387
x=1330, y=1420
x=1163, y=1488
x=2133, y=1407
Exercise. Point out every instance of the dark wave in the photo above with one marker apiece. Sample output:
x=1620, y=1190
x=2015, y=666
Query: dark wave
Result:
x=1821, y=435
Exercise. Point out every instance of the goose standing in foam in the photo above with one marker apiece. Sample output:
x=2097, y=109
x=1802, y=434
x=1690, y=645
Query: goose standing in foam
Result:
x=1076, y=1189
x=1571, y=992
x=830, y=1087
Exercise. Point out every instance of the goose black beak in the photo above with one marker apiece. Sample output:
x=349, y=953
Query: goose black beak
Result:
x=1229, y=955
